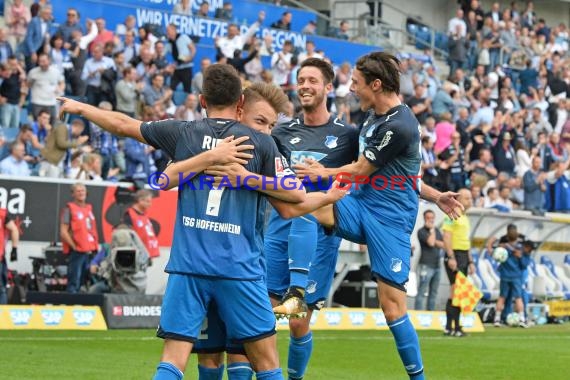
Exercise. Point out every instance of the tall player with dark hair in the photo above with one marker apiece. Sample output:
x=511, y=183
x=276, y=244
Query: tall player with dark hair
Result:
x=212, y=227
x=389, y=148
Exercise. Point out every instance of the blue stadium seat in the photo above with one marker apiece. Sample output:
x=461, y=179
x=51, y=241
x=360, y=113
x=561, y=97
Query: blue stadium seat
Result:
x=567, y=259
x=24, y=116
x=10, y=134
x=558, y=273
x=423, y=38
x=178, y=97
x=441, y=41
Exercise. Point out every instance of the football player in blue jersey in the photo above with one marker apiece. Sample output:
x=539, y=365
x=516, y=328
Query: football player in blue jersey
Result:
x=216, y=250
x=262, y=103
x=301, y=258
x=381, y=208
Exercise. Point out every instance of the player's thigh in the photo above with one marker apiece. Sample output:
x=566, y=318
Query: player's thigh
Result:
x=504, y=288
x=348, y=222
x=184, y=307
x=245, y=308
x=322, y=269
x=277, y=264
x=212, y=338
x=516, y=289
x=390, y=250
x=263, y=353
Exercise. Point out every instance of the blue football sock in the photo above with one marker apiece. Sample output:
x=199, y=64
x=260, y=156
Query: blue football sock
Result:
x=240, y=371
x=408, y=346
x=300, y=350
x=273, y=374
x=167, y=371
x=302, y=246
x=205, y=373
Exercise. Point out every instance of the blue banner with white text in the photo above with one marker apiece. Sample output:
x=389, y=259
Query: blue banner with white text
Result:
x=208, y=29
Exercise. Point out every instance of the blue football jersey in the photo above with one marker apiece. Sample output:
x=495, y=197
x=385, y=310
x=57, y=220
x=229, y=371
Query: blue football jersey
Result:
x=391, y=142
x=217, y=233
x=333, y=144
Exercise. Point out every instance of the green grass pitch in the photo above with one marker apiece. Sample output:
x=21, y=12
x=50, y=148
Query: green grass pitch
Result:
x=541, y=352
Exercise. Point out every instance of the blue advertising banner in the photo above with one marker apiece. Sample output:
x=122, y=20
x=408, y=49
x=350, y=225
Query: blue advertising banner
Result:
x=148, y=11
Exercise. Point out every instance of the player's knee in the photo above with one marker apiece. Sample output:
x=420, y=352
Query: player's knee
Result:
x=299, y=327
x=211, y=360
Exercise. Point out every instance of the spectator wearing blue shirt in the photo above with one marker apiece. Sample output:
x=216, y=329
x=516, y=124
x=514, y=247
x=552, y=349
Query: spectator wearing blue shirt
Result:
x=15, y=164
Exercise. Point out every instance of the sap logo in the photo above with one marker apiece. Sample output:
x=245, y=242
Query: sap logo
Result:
x=83, y=317
x=300, y=156
x=14, y=200
x=425, y=320
x=333, y=318
x=379, y=319
x=467, y=321
x=52, y=317
x=21, y=317
x=385, y=140
x=357, y=318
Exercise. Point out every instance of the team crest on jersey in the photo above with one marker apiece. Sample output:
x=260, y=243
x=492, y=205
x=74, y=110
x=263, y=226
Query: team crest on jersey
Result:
x=396, y=265
x=331, y=142
x=385, y=140
x=311, y=287
x=295, y=140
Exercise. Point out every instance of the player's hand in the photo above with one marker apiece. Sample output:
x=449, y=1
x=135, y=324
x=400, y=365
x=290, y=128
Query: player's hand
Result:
x=230, y=151
x=69, y=106
x=310, y=168
x=449, y=204
x=337, y=191
x=93, y=269
x=471, y=268
x=230, y=174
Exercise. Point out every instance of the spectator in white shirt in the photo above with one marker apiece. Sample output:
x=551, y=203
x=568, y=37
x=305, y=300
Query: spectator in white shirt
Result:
x=455, y=22
x=234, y=40
x=281, y=64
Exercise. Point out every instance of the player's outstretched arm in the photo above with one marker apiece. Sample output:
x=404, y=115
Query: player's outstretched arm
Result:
x=314, y=201
x=115, y=122
x=226, y=152
x=288, y=188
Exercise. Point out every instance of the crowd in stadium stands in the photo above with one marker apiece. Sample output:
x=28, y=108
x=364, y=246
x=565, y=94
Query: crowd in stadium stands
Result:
x=498, y=123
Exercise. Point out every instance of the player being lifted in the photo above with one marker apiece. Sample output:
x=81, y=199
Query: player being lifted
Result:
x=211, y=227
